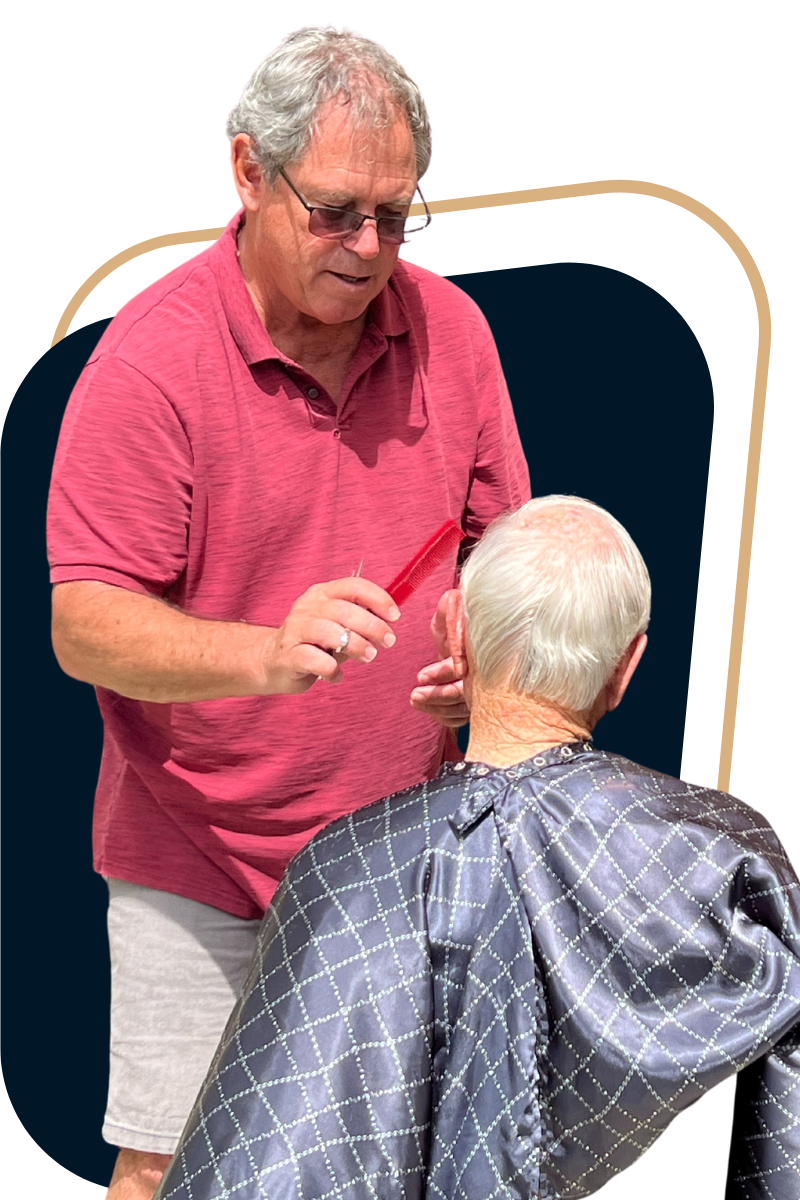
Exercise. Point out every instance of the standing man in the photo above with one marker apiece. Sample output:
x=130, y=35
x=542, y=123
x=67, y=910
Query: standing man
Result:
x=251, y=427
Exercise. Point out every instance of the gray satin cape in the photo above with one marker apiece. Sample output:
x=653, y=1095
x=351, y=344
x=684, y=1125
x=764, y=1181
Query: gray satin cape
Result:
x=506, y=983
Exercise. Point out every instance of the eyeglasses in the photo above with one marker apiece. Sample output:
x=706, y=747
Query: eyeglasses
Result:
x=336, y=224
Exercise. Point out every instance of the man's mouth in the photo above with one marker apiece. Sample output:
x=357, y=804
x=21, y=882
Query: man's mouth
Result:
x=357, y=280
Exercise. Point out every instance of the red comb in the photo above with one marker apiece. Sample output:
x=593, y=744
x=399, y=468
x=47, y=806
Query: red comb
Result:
x=435, y=551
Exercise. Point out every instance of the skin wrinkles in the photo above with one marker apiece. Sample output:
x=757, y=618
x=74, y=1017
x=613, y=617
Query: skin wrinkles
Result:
x=507, y=726
x=314, y=315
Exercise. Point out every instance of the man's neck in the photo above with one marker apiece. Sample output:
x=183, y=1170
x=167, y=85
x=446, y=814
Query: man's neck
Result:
x=325, y=351
x=304, y=339
x=506, y=728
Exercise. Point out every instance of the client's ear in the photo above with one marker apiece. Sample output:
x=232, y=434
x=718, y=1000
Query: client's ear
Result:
x=457, y=632
x=623, y=674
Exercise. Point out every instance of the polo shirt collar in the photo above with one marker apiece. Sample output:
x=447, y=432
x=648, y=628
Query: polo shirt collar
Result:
x=387, y=312
x=250, y=336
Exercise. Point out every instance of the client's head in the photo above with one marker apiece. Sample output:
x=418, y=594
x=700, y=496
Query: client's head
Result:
x=556, y=599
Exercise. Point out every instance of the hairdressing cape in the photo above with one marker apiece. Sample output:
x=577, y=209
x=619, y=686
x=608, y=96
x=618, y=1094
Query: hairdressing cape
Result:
x=506, y=983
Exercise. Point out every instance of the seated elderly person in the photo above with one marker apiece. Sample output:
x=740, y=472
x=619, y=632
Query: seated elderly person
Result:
x=507, y=981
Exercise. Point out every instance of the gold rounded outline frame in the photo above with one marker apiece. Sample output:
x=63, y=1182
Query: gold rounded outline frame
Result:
x=566, y=191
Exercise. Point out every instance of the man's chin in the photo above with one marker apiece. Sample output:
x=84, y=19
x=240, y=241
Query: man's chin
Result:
x=341, y=310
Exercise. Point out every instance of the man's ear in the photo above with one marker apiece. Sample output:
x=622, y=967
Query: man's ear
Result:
x=623, y=674
x=248, y=174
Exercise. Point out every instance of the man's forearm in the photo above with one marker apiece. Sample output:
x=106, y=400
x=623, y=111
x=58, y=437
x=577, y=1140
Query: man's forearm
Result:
x=144, y=649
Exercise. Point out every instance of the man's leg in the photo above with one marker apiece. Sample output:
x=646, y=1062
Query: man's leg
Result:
x=177, y=968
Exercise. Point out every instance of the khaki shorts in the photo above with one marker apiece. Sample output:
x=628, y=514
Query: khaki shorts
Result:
x=177, y=968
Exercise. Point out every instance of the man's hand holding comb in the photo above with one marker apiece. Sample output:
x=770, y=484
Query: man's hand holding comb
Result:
x=344, y=618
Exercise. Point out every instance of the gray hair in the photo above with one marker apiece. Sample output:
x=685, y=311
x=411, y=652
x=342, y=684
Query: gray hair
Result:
x=554, y=593
x=279, y=106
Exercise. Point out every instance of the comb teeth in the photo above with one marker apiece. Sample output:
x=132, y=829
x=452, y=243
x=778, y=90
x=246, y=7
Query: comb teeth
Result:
x=435, y=551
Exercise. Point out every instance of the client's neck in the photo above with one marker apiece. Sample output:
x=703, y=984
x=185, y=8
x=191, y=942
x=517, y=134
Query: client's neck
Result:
x=506, y=728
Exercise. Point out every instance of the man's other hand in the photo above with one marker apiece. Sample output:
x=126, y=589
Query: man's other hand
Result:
x=440, y=686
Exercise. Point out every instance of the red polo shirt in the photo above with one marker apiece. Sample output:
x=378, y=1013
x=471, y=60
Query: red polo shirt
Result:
x=199, y=464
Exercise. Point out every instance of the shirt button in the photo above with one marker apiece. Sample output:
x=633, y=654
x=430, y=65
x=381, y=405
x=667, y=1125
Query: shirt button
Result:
x=337, y=433
x=313, y=393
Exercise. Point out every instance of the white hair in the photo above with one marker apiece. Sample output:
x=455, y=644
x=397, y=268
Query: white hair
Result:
x=279, y=106
x=554, y=593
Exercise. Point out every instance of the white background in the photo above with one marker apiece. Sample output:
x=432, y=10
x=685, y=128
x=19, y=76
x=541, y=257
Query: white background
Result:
x=115, y=134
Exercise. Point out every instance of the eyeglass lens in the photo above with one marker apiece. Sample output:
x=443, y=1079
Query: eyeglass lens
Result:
x=339, y=223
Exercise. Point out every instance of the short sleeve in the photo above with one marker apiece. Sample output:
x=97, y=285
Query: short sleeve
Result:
x=500, y=480
x=121, y=491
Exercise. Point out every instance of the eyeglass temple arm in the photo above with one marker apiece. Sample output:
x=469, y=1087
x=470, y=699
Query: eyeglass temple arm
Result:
x=425, y=206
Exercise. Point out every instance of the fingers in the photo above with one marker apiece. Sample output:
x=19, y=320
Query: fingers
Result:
x=331, y=622
x=365, y=594
x=328, y=636
x=311, y=663
x=439, y=695
x=323, y=614
x=363, y=625
x=443, y=701
x=439, y=672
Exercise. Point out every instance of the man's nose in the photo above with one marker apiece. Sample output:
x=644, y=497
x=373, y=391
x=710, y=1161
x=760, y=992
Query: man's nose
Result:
x=365, y=241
